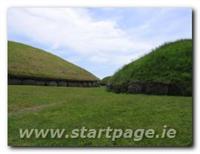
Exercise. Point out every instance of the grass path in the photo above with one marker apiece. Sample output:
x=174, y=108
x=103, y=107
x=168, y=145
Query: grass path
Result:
x=28, y=110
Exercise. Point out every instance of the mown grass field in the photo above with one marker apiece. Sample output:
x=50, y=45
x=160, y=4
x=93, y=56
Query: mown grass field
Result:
x=64, y=107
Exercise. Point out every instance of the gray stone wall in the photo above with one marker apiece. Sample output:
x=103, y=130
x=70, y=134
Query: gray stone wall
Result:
x=154, y=88
x=47, y=82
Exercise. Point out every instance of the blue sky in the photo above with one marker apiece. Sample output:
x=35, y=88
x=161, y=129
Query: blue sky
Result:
x=100, y=40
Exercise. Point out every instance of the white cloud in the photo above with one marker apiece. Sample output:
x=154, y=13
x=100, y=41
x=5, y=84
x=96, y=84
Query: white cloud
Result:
x=74, y=29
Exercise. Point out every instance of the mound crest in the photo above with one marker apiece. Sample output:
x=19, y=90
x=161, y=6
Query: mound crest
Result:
x=29, y=65
x=166, y=70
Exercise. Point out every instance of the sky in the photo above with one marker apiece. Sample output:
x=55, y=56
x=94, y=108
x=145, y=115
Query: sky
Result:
x=101, y=40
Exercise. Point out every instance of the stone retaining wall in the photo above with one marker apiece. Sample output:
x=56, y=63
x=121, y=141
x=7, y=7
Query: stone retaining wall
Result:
x=51, y=82
x=152, y=88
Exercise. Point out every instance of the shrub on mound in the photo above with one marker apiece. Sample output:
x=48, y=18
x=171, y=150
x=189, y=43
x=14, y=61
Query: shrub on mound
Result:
x=166, y=70
x=105, y=80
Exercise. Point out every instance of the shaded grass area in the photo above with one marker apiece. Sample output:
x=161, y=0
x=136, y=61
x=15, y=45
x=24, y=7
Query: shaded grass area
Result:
x=70, y=108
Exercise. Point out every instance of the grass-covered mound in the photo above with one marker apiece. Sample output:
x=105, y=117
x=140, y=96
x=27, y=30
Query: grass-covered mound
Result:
x=27, y=61
x=166, y=70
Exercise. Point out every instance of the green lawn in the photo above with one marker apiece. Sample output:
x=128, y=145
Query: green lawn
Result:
x=64, y=107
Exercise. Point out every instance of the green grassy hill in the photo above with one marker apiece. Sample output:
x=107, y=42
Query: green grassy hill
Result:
x=27, y=61
x=170, y=63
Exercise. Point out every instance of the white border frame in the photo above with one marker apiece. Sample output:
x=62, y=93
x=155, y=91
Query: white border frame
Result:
x=5, y=4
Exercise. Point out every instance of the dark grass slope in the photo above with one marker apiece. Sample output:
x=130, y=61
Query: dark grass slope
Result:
x=166, y=70
x=28, y=62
